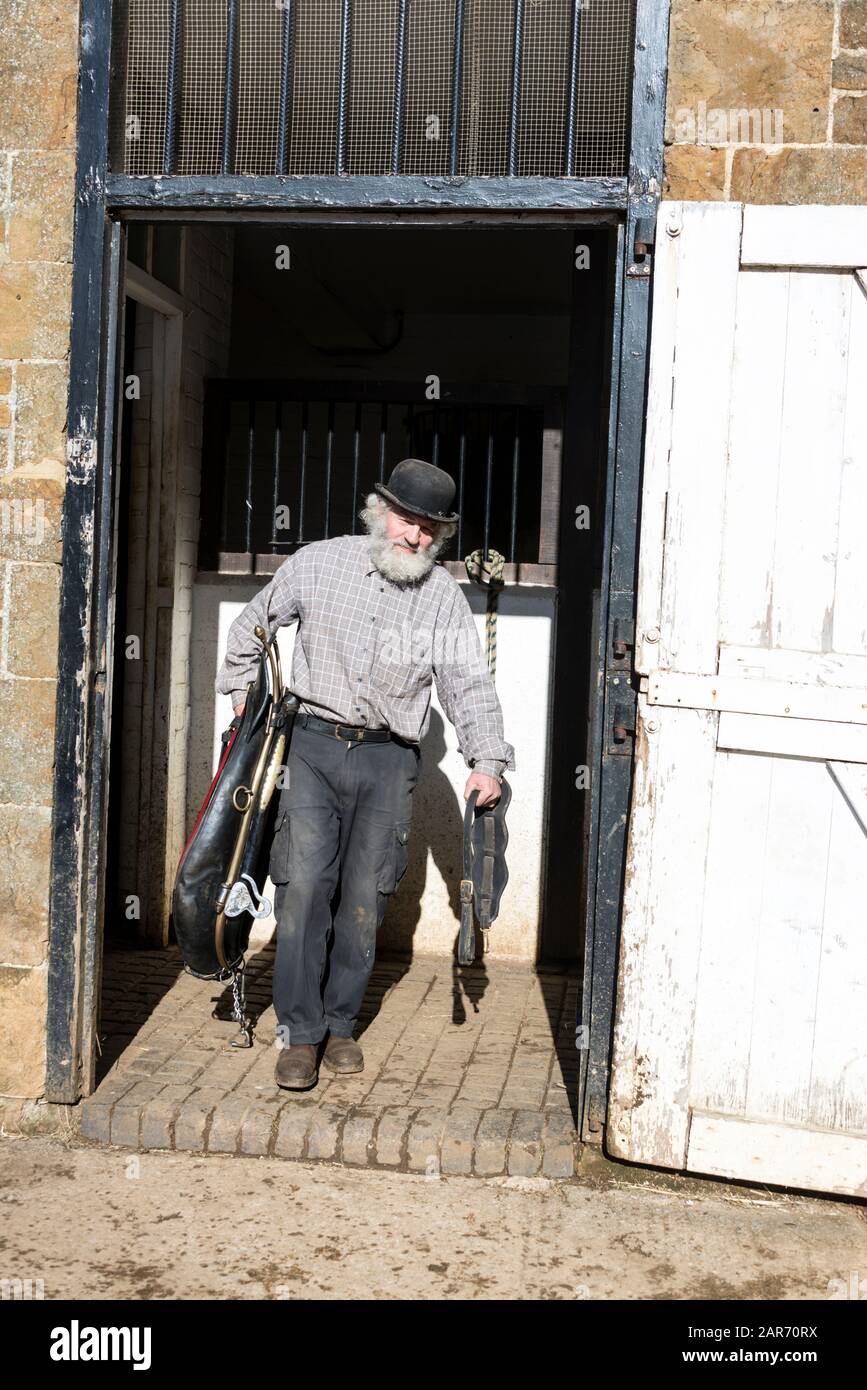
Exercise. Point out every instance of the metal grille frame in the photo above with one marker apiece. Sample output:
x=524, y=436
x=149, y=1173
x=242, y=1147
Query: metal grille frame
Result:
x=469, y=88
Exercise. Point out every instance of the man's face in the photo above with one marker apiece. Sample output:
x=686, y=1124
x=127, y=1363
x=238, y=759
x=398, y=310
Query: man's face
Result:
x=409, y=533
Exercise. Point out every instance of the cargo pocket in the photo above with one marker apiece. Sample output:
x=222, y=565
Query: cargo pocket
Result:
x=278, y=863
x=399, y=855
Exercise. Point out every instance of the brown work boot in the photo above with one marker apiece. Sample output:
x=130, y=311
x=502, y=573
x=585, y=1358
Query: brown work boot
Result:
x=343, y=1055
x=297, y=1068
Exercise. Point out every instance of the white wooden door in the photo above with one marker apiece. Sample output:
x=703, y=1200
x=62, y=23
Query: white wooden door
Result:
x=740, y=1044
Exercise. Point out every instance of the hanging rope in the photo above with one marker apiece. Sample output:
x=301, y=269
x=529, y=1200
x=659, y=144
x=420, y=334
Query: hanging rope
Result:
x=490, y=578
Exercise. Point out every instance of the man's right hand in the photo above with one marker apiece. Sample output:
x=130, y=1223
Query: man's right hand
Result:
x=239, y=709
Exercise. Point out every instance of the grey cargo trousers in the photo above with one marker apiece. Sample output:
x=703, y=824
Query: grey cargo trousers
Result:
x=339, y=852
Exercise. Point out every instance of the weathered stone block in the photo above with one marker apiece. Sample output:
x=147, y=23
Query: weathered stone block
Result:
x=754, y=55
x=324, y=1130
x=492, y=1136
x=192, y=1120
x=40, y=414
x=695, y=173
x=357, y=1142
x=34, y=309
x=257, y=1127
x=41, y=205
x=391, y=1135
x=423, y=1141
x=25, y=843
x=26, y=741
x=829, y=176
x=294, y=1121
x=456, y=1148
x=34, y=599
x=850, y=71
x=853, y=24
x=525, y=1144
x=225, y=1131
x=31, y=498
x=39, y=75
x=23, y=1003
x=850, y=122
x=559, y=1142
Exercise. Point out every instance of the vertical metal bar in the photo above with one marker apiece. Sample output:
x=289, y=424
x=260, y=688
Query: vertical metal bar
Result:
x=229, y=75
x=329, y=456
x=516, y=454
x=457, y=77
x=515, y=106
x=343, y=87
x=489, y=477
x=572, y=98
x=383, y=439
x=278, y=436
x=287, y=40
x=305, y=424
x=399, y=74
x=356, y=455
x=462, y=458
x=173, y=88
x=227, y=439
x=248, y=483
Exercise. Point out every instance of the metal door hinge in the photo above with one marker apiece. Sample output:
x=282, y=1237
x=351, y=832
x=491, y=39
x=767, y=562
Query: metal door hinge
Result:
x=622, y=638
x=622, y=727
x=642, y=248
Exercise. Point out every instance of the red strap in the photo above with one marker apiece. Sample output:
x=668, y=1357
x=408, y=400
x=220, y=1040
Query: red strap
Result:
x=208, y=797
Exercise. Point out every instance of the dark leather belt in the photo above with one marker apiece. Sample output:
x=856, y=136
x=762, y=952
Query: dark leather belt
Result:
x=350, y=733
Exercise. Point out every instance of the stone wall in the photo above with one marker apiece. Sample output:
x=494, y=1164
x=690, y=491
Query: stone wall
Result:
x=767, y=101
x=38, y=87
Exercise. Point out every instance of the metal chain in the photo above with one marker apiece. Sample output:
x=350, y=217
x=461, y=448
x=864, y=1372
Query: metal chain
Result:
x=245, y=1026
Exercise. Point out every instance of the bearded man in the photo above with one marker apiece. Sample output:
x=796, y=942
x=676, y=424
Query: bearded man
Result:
x=378, y=623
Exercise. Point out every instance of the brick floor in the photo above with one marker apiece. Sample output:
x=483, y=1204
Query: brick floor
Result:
x=467, y=1070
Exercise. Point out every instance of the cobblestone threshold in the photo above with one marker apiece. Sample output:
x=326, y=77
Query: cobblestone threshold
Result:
x=468, y=1072
x=479, y=1143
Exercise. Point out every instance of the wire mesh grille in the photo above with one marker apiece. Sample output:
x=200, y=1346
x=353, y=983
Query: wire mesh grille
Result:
x=275, y=103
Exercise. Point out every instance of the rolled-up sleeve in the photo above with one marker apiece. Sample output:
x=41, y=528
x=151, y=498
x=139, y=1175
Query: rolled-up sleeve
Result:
x=467, y=692
x=274, y=606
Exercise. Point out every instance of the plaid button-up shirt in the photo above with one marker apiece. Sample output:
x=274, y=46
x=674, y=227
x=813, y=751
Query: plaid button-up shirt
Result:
x=368, y=649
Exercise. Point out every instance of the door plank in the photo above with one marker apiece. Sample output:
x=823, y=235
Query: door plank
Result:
x=796, y=738
x=790, y=935
x=758, y=380
x=850, y=610
x=657, y=445
x=804, y=236
x=729, y=933
x=847, y=705
x=699, y=436
x=785, y=1154
x=649, y=1115
x=808, y=504
x=838, y=1075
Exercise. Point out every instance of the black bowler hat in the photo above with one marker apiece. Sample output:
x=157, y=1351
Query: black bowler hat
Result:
x=420, y=488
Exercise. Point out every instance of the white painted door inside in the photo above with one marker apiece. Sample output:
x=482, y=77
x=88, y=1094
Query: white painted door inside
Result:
x=740, y=1045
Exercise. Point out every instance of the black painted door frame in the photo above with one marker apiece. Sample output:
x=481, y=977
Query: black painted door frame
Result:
x=103, y=202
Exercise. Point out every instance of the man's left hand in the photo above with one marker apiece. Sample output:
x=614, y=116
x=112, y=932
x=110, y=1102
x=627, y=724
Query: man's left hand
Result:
x=490, y=790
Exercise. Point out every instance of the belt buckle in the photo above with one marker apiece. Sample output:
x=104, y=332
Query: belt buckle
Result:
x=359, y=734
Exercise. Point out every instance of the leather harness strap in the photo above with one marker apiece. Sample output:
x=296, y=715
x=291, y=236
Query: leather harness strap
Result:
x=485, y=870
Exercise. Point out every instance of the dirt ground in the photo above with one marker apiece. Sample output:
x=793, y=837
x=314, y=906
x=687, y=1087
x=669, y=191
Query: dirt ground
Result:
x=105, y=1223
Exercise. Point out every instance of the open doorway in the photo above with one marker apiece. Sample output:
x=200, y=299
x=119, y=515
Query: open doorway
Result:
x=311, y=360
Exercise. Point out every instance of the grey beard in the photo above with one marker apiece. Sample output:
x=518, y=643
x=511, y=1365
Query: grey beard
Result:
x=396, y=564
